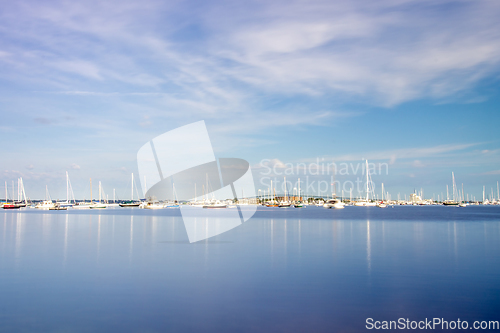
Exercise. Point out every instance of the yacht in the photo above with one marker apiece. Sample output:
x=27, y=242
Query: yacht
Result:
x=334, y=203
x=47, y=204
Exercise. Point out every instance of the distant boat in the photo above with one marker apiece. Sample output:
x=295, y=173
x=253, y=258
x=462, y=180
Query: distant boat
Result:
x=129, y=204
x=154, y=205
x=334, y=203
x=98, y=205
x=132, y=202
x=215, y=204
x=58, y=207
x=366, y=202
x=171, y=205
x=10, y=206
x=453, y=202
x=68, y=202
x=82, y=205
x=46, y=205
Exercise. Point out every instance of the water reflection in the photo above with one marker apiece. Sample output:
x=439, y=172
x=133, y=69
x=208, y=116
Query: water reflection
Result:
x=65, y=256
x=455, y=250
x=368, y=247
x=19, y=237
x=98, y=236
x=300, y=235
x=336, y=292
x=131, y=237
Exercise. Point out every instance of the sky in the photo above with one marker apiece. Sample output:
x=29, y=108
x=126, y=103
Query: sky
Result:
x=412, y=84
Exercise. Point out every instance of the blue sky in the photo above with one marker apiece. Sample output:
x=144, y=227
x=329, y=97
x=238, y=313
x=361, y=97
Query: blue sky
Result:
x=414, y=84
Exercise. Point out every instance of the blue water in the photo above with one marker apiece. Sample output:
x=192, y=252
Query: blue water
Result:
x=285, y=270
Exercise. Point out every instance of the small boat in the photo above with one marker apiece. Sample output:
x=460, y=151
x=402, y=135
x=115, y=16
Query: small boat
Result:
x=171, y=205
x=284, y=204
x=363, y=203
x=381, y=205
x=82, y=205
x=154, y=205
x=11, y=206
x=98, y=205
x=298, y=205
x=334, y=203
x=58, y=207
x=46, y=205
x=215, y=204
x=130, y=204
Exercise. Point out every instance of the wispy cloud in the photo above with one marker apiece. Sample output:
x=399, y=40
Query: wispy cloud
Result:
x=386, y=52
x=396, y=154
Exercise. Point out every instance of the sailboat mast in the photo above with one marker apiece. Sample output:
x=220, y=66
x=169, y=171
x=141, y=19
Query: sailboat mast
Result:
x=299, y=191
x=367, y=185
x=285, y=187
x=23, y=193
x=99, y=191
x=132, y=188
x=454, y=186
x=271, y=189
x=90, y=190
x=6, y=200
x=382, y=191
x=67, y=187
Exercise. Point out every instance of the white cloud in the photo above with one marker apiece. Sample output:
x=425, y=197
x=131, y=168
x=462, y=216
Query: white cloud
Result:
x=386, y=52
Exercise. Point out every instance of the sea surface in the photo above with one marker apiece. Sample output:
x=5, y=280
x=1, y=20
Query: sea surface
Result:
x=285, y=270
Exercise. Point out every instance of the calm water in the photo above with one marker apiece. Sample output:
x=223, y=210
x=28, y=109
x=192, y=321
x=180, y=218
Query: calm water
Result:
x=285, y=270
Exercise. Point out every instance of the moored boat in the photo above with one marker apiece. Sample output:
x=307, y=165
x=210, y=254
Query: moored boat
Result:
x=215, y=204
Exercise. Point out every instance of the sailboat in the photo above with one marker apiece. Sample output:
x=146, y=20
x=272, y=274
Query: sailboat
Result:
x=6, y=204
x=68, y=202
x=382, y=204
x=213, y=203
x=334, y=202
x=131, y=203
x=299, y=203
x=47, y=203
x=99, y=204
x=175, y=203
x=285, y=203
x=453, y=202
x=366, y=201
x=85, y=205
